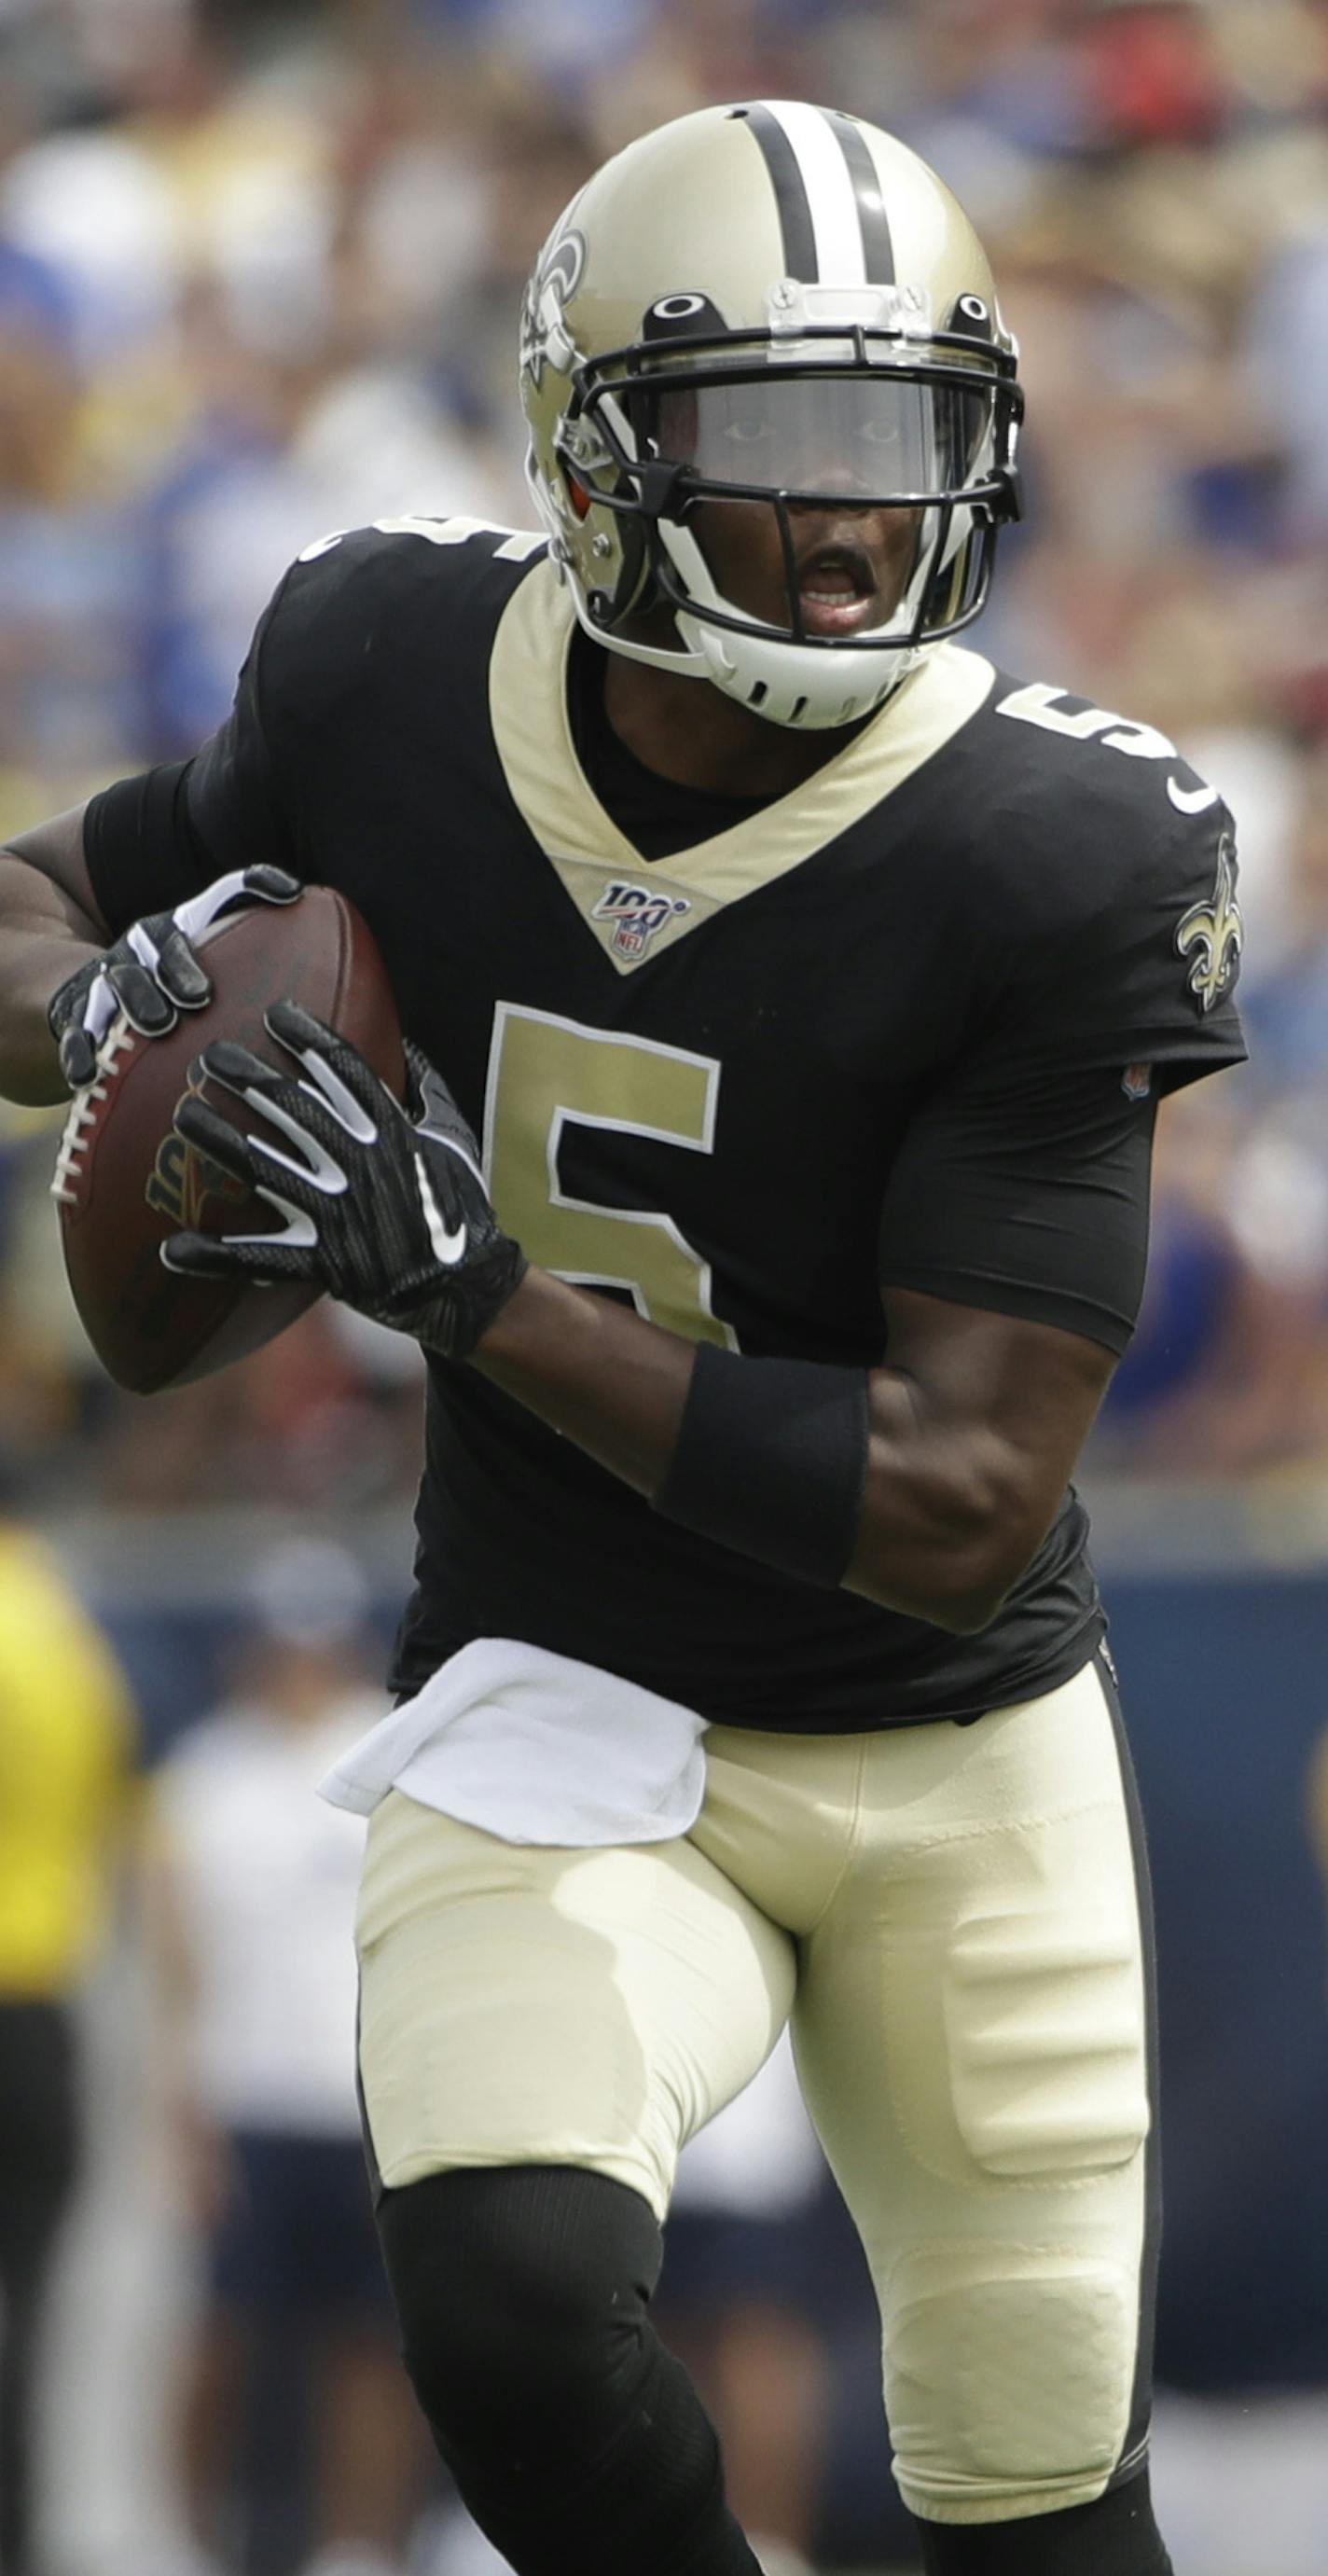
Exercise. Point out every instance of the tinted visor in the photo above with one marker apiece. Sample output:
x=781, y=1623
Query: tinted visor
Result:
x=872, y=434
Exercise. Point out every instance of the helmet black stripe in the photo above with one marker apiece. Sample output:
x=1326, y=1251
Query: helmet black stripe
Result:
x=795, y=214
x=878, y=249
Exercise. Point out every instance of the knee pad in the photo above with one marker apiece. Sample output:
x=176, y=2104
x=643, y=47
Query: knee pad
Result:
x=522, y=2293
x=1009, y=2376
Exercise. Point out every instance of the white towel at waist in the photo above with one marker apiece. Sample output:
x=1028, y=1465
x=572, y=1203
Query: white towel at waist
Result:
x=534, y=1748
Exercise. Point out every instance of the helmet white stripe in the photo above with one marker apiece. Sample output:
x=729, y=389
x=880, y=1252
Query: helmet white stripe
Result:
x=877, y=245
x=831, y=195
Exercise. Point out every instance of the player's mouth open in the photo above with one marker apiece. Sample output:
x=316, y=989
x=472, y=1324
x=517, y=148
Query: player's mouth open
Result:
x=837, y=590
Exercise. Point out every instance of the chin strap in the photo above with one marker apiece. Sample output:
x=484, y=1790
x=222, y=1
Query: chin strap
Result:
x=684, y=659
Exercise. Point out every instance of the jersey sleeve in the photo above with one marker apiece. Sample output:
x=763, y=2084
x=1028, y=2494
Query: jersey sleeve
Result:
x=154, y=839
x=1139, y=966
x=1023, y=1181
x=1028, y=1197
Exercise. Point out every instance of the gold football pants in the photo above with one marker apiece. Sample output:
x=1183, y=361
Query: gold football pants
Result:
x=951, y=1918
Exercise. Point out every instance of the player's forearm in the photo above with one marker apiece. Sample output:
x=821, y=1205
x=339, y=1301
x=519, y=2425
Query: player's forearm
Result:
x=948, y=1521
x=594, y=1370
x=44, y=937
x=934, y=1513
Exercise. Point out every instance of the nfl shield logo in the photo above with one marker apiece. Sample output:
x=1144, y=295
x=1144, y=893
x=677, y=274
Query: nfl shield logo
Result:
x=636, y=912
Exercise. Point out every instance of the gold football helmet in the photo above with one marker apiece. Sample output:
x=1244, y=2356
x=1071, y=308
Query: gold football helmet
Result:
x=778, y=306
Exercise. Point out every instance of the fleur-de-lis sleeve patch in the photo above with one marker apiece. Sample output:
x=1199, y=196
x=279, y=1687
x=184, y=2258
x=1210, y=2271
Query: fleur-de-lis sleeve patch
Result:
x=1212, y=933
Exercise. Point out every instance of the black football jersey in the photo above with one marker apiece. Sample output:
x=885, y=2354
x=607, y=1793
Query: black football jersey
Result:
x=905, y=1025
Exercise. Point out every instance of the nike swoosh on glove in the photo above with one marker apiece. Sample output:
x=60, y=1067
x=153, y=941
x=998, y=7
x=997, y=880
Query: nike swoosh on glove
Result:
x=152, y=972
x=384, y=1207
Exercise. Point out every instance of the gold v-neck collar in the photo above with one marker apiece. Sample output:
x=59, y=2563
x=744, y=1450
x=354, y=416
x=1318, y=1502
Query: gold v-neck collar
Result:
x=637, y=907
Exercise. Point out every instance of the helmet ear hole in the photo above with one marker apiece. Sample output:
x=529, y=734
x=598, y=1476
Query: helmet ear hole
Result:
x=612, y=549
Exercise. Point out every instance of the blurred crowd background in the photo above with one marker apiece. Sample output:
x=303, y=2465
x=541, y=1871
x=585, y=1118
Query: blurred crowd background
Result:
x=259, y=274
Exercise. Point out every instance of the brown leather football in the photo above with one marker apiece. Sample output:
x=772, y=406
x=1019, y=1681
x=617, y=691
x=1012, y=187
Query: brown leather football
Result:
x=124, y=1180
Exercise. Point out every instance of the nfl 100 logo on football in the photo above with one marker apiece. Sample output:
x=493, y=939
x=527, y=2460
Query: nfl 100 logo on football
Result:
x=182, y=1179
x=636, y=913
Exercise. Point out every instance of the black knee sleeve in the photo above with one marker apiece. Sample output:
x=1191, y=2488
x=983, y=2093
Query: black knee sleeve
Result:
x=1117, y=2536
x=578, y=2443
x=522, y=2293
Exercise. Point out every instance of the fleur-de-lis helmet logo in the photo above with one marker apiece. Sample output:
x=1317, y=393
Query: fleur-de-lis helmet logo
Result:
x=544, y=338
x=1215, y=932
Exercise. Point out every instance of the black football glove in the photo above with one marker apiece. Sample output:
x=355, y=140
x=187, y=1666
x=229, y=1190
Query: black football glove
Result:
x=152, y=972
x=385, y=1207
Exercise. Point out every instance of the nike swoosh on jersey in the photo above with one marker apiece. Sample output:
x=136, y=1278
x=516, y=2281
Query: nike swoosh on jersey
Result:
x=1192, y=800
x=449, y=1243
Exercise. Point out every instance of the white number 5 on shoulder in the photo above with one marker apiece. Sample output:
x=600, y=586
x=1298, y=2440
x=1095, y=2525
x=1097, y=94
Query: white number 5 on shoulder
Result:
x=1039, y=705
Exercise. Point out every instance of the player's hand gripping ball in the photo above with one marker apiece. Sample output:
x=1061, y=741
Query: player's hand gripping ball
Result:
x=153, y=972
x=126, y=1180
x=383, y=1206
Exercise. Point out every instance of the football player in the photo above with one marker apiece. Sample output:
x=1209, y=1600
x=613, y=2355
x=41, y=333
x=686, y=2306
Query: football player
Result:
x=790, y=994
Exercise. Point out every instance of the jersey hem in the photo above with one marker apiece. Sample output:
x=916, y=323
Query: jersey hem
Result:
x=1027, y=1682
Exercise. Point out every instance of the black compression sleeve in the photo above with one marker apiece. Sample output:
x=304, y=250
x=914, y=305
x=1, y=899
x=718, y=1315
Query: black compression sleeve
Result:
x=771, y=1460
x=142, y=853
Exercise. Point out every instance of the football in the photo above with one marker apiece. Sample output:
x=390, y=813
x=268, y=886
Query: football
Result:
x=125, y=1181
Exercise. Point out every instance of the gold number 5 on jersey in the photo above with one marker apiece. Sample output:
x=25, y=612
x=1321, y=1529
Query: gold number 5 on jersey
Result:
x=546, y=1072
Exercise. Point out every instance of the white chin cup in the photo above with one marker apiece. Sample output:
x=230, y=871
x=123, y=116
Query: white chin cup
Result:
x=787, y=684
x=793, y=684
